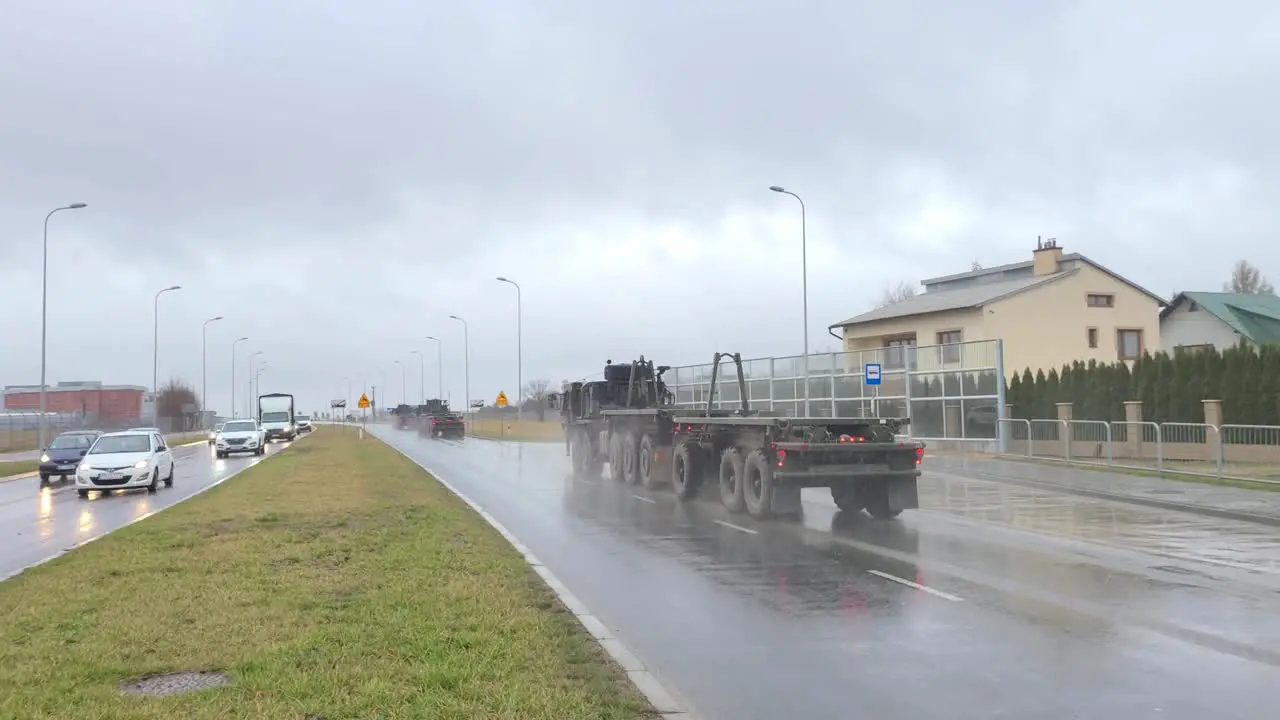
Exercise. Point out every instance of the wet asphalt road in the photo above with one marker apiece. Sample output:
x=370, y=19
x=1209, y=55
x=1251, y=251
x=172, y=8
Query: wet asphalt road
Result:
x=1025, y=604
x=37, y=524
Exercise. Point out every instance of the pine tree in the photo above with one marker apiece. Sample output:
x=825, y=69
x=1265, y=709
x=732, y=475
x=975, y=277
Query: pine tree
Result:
x=1121, y=391
x=1042, y=403
x=1013, y=396
x=1052, y=393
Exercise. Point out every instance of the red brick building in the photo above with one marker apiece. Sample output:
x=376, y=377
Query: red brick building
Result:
x=97, y=403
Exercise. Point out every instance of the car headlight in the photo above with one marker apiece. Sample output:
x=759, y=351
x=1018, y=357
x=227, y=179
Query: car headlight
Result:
x=84, y=467
x=142, y=464
x=44, y=458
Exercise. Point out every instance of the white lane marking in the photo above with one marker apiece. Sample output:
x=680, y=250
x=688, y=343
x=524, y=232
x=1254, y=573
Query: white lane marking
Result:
x=658, y=695
x=916, y=585
x=737, y=527
x=587, y=482
x=642, y=498
x=146, y=515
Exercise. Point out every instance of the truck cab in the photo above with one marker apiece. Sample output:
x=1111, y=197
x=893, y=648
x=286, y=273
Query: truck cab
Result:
x=276, y=416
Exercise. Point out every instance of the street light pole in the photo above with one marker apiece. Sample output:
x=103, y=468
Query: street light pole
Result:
x=44, y=314
x=439, y=367
x=466, y=361
x=204, y=362
x=804, y=269
x=422, y=375
x=404, y=394
x=155, y=340
x=248, y=402
x=519, y=348
x=233, y=375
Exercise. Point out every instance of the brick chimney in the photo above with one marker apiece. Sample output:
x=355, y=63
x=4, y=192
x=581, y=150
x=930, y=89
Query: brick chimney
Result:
x=1046, y=258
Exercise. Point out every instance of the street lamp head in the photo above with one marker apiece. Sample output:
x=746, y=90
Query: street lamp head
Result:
x=414, y=352
x=174, y=287
x=215, y=318
x=431, y=338
x=76, y=206
x=777, y=188
x=241, y=339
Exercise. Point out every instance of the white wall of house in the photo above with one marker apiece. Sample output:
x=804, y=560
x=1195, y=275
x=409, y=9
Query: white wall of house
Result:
x=1186, y=327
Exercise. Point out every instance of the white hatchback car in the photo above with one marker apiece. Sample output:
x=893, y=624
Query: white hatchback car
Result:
x=240, y=436
x=125, y=460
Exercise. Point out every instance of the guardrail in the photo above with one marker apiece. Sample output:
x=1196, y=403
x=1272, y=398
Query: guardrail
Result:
x=1243, y=452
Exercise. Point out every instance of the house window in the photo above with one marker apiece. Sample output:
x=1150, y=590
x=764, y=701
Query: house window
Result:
x=1092, y=335
x=1191, y=349
x=949, y=342
x=1101, y=300
x=1129, y=344
x=900, y=352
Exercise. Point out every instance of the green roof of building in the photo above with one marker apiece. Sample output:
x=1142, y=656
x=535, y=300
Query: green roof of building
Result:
x=1255, y=317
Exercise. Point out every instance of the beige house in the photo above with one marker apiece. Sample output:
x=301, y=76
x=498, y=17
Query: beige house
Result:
x=1051, y=310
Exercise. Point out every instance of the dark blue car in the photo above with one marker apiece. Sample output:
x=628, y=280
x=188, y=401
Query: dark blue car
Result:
x=64, y=454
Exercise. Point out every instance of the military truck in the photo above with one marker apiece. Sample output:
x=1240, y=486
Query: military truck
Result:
x=406, y=416
x=437, y=421
x=758, y=461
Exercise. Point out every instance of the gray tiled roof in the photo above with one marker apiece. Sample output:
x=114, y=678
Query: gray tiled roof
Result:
x=969, y=297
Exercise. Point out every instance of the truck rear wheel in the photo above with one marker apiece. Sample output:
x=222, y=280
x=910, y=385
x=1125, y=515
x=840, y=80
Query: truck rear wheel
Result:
x=615, y=457
x=686, y=471
x=630, y=458
x=578, y=451
x=757, y=485
x=876, y=495
x=731, y=491
x=847, y=497
x=650, y=472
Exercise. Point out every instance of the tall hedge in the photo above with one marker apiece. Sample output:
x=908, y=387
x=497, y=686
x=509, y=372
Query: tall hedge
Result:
x=1246, y=379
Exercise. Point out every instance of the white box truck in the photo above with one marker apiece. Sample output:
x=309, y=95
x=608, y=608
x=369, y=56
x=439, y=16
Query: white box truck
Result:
x=275, y=415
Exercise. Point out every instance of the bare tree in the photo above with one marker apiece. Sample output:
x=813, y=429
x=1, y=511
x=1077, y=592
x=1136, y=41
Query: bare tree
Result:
x=1246, y=278
x=535, y=392
x=903, y=291
x=975, y=266
x=172, y=400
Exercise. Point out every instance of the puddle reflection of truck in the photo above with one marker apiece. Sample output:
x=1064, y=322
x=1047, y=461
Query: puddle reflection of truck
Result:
x=758, y=461
x=275, y=415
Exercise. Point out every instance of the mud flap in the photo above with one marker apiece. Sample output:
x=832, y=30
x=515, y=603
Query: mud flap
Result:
x=786, y=499
x=903, y=494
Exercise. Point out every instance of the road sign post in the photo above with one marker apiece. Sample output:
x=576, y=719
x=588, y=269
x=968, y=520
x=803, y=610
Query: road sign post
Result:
x=871, y=376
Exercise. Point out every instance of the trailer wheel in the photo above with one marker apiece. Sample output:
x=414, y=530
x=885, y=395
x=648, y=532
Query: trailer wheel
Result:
x=630, y=458
x=615, y=457
x=650, y=473
x=579, y=450
x=847, y=497
x=731, y=491
x=877, y=498
x=757, y=485
x=686, y=471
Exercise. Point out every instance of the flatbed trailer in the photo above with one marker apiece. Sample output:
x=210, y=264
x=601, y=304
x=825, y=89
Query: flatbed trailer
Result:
x=758, y=462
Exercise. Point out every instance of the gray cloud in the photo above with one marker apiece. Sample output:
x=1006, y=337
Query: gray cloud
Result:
x=337, y=179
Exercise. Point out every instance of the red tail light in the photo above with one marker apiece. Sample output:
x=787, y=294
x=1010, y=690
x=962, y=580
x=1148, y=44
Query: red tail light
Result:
x=919, y=455
x=782, y=457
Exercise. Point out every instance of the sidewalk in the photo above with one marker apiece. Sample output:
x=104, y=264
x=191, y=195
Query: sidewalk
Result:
x=1234, y=503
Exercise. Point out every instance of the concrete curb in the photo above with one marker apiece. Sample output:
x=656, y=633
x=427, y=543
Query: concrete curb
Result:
x=140, y=518
x=662, y=699
x=1116, y=497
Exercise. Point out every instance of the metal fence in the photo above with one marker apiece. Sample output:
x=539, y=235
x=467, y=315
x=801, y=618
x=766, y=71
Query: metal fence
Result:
x=20, y=429
x=948, y=391
x=1245, y=452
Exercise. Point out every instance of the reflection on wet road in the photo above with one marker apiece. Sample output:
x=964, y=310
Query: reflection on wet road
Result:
x=989, y=603
x=37, y=523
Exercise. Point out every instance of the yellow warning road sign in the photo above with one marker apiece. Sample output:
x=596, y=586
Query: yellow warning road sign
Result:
x=502, y=399
x=364, y=402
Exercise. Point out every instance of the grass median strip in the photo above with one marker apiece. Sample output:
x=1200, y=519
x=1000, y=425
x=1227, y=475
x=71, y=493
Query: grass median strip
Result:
x=16, y=467
x=549, y=431
x=335, y=580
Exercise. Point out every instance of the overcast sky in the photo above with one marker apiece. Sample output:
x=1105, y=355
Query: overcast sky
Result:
x=337, y=178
